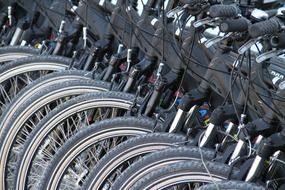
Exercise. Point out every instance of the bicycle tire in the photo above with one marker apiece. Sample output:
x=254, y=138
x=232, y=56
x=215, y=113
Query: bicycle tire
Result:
x=35, y=102
x=117, y=101
x=38, y=85
x=15, y=67
x=124, y=154
x=185, y=172
x=232, y=185
x=10, y=53
x=143, y=144
x=129, y=127
x=24, y=71
x=157, y=159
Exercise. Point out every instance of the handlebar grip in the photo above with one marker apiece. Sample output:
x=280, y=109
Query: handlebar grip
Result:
x=234, y=25
x=272, y=13
x=224, y=11
x=262, y=28
x=278, y=41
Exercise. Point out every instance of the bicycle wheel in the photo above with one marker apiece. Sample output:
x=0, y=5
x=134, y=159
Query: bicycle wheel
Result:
x=58, y=173
x=154, y=161
x=32, y=112
x=112, y=165
x=186, y=174
x=36, y=86
x=61, y=124
x=232, y=185
x=11, y=53
x=15, y=75
x=83, y=151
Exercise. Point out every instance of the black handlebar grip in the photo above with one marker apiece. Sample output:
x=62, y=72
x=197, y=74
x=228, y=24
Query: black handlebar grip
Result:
x=225, y=11
x=234, y=25
x=262, y=28
x=278, y=41
x=272, y=13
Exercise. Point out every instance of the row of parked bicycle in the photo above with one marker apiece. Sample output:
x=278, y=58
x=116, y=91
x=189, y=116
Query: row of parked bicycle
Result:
x=142, y=94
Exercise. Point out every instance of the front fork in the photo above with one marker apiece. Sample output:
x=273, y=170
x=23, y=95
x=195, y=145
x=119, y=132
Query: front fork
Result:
x=187, y=109
x=21, y=27
x=267, y=148
x=275, y=142
x=218, y=116
x=170, y=80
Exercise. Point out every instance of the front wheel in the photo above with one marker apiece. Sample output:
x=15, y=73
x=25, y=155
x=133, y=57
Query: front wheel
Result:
x=112, y=164
x=156, y=160
x=62, y=123
x=29, y=113
x=16, y=75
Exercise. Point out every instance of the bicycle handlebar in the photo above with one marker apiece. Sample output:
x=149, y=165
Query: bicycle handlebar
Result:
x=224, y=11
x=262, y=28
x=234, y=25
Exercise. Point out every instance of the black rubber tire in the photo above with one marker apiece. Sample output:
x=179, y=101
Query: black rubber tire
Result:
x=130, y=126
x=20, y=49
x=185, y=172
x=117, y=100
x=35, y=102
x=39, y=85
x=122, y=153
x=156, y=160
x=10, y=53
x=27, y=65
x=232, y=185
x=61, y=62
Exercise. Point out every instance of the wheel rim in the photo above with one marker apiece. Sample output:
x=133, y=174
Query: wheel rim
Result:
x=13, y=80
x=117, y=110
x=26, y=126
x=87, y=159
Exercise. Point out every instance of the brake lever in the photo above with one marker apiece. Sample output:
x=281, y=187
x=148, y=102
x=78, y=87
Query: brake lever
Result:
x=248, y=45
x=204, y=21
x=216, y=39
x=268, y=55
x=173, y=12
